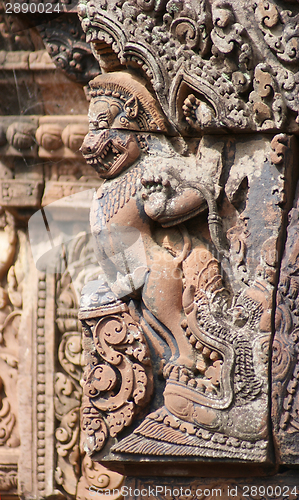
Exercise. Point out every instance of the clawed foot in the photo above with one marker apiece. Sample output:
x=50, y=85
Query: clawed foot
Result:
x=190, y=106
x=156, y=193
x=208, y=384
x=155, y=184
x=198, y=114
x=179, y=372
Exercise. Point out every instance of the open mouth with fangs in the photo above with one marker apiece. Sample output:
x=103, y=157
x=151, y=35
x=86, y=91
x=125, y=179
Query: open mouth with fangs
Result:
x=108, y=154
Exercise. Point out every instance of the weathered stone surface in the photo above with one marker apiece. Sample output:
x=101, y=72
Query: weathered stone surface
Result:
x=190, y=228
x=11, y=261
x=211, y=488
x=43, y=136
x=40, y=344
x=285, y=356
x=65, y=42
x=51, y=369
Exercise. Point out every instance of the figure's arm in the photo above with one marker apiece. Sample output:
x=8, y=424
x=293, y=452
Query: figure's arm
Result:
x=170, y=201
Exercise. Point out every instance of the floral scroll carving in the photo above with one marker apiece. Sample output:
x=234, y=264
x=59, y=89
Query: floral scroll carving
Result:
x=67, y=384
x=74, y=473
x=189, y=312
x=285, y=349
x=10, y=312
x=120, y=383
x=250, y=55
x=279, y=30
x=97, y=478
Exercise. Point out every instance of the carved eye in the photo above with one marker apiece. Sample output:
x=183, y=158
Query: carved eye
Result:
x=93, y=125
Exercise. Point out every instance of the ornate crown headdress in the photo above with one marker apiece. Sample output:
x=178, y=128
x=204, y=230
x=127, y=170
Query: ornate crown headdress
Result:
x=123, y=87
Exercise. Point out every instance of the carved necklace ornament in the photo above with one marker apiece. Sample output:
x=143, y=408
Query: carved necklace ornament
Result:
x=169, y=291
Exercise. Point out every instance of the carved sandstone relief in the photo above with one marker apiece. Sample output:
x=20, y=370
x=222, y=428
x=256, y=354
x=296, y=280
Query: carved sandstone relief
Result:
x=67, y=389
x=11, y=275
x=95, y=477
x=183, y=302
x=205, y=62
x=40, y=164
x=213, y=65
x=210, y=488
x=65, y=42
x=75, y=473
x=285, y=350
x=63, y=268
x=11, y=302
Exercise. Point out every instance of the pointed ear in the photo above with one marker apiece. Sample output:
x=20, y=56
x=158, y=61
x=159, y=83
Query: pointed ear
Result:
x=131, y=107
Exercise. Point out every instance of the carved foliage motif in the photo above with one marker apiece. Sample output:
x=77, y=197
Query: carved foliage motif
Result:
x=67, y=387
x=118, y=380
x=97, y=477
x=64, y=40
x=280, y=30
x=192, y=49
x=12, y=243
x=75, y=472
x=285, y=348
x=10, y=312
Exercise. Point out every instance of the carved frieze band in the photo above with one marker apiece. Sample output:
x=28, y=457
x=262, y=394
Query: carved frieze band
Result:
x=44, y=137
x=56, y=138
x=26, y=60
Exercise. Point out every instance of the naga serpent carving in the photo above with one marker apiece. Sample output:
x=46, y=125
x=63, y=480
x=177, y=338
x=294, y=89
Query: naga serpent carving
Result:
x=162, y=291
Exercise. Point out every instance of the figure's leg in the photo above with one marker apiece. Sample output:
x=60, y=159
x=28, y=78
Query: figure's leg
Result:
x=162, y=295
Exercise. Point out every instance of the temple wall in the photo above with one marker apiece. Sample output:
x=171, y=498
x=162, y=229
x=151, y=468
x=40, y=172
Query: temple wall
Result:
x=174, y=374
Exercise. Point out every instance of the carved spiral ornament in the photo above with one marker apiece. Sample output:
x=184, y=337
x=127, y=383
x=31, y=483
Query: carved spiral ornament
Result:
x=147, y=5
x=121, y=383
x=102, y=378
x=186, y=31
